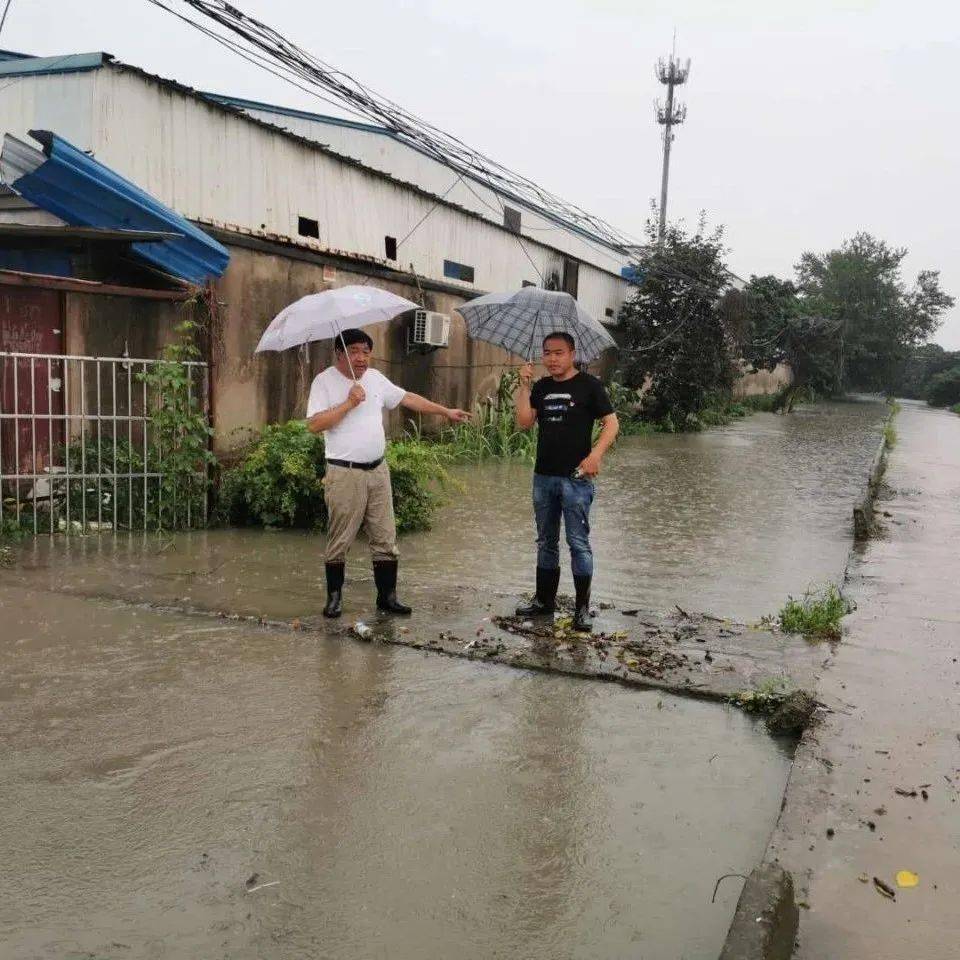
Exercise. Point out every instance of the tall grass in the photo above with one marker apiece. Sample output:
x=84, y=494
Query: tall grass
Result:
x=817, y=615
x=492, y=433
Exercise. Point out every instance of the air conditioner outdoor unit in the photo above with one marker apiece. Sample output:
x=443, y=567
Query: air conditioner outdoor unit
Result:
x=430, y=329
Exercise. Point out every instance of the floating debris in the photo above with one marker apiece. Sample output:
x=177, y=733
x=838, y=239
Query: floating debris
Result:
x=884, y=889
x=362, y=631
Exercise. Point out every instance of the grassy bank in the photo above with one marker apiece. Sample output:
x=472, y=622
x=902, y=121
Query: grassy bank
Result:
x=718, y=411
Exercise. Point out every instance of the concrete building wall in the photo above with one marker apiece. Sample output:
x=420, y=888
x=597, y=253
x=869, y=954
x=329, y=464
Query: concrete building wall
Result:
x=381, y=151
x=763, y=382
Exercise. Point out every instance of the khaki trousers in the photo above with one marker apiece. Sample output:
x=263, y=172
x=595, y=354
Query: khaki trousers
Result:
x=359, y=499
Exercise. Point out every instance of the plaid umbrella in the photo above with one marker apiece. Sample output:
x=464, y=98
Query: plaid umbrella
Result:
x=519, y=320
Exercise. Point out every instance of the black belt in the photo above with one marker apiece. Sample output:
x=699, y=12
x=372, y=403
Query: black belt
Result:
x=352, y=465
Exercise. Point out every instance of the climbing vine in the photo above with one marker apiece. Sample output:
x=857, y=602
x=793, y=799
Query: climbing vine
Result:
x=179, y=451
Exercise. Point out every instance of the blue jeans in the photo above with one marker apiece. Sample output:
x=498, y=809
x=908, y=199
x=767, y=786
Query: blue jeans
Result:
x=554, y=497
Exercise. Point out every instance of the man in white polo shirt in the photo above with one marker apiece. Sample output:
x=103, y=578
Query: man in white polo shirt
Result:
x=346, y=403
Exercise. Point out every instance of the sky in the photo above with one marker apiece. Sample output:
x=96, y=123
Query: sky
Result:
x=806, y=122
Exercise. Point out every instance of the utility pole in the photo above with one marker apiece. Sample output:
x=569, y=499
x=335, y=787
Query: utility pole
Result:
x=671, y=73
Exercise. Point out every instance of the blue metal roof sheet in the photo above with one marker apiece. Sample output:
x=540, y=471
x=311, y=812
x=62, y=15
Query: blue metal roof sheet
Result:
x=83, y=192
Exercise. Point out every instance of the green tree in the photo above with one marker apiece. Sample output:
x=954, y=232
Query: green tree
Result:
x=779, y=330
x=675, y=334
x=922, y=364
x=879, y=319
x=943, y=389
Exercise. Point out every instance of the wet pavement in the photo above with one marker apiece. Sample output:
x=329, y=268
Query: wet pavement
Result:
x=402, y=804
x=389, y=803
x=891, y=757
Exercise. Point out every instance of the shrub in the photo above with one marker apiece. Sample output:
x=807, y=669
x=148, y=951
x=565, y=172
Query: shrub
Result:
x=278, y=482
x=818, y=614
x=944, y=389
x=419, y=475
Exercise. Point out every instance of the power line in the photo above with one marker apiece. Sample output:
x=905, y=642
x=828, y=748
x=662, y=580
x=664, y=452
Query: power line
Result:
x=427, y=214
x=267, y=46
x=6, y=10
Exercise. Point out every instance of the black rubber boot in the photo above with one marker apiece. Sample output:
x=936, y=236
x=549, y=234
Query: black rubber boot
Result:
x=545, y=599
x=385, y=577
x=334, y=605
x=582, y=621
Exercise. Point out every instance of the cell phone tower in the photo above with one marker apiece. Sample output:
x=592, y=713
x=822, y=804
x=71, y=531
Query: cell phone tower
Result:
x=671, y=73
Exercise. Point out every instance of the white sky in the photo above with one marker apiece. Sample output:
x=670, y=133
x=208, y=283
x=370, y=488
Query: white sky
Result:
x=807, y=120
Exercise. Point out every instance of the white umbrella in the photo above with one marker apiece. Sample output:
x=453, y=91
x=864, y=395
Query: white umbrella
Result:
x=323, y=316
x=518, y=320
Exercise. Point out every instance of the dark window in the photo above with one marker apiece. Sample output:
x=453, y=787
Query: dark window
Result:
x=457, y=271
x=511, y=219
x=390, y=243
x=609, y=311
x=308, y=228
x=571, y=274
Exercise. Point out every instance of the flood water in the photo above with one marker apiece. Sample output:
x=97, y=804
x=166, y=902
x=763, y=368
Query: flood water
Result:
x=729, y=521
x=400, y=804
x=407, y=806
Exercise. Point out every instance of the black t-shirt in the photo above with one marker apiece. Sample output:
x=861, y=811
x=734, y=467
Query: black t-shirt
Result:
x=566, y=411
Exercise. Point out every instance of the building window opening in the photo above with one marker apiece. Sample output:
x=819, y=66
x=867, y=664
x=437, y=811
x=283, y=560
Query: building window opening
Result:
x=511, y=219
x=571, y=276
x=457, y=271
x=390, y=247
x=308, y=228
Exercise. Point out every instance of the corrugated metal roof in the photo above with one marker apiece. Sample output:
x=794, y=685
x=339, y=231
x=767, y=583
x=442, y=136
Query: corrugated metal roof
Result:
x=53, y=233
x=85, y=193
x=15, y=64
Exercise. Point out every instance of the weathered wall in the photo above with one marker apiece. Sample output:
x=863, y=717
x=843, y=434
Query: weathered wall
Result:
x=109, y=326
x=102, y=326
x=763, y=381
x=251, y=390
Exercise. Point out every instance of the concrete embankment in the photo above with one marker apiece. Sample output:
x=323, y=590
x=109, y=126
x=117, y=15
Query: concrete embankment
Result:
x=875, y=787
x=678, y=651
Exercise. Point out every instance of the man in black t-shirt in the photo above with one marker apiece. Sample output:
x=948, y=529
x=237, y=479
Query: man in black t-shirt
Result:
x=565, y=404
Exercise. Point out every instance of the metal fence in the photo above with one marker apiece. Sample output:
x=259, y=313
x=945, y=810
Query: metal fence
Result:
x=79, y=446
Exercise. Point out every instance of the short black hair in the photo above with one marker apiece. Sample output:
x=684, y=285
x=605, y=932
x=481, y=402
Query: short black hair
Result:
x=350, y=337
x=561, y=335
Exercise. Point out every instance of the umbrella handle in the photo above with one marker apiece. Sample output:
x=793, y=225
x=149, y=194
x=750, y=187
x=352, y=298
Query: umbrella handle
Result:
x=346, y=353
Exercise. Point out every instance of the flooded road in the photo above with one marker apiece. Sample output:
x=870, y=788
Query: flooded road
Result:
x=400, y=804
x=404, y=805
x=730, y=520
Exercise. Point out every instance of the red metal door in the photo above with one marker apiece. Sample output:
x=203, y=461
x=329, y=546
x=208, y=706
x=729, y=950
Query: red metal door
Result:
x=31, y=321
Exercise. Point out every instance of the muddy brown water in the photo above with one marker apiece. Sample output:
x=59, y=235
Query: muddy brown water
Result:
x=400, y=804
x=730, y=520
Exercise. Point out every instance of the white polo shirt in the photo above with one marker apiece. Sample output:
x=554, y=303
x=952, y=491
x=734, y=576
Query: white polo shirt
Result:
x=359, y=436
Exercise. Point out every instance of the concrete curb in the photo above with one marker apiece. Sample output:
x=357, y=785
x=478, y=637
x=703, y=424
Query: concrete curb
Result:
x=863, y=509
x=765, y=924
